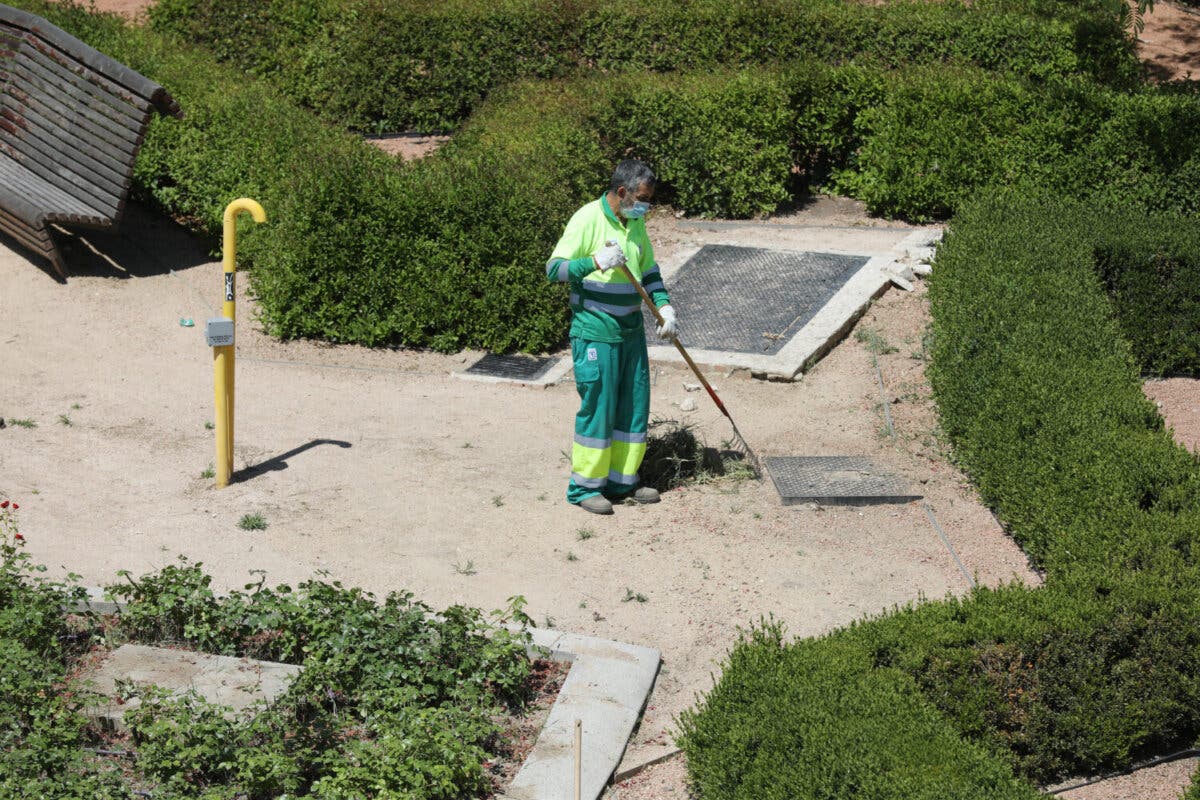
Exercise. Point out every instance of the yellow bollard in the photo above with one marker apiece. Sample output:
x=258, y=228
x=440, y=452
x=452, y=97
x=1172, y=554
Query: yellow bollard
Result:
x=223, y=355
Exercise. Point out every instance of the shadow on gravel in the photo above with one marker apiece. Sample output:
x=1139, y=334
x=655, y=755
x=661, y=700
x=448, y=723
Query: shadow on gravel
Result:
x=279, y=462
x=143, y=245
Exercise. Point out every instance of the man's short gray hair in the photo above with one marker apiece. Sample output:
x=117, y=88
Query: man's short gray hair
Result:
x=631, y=174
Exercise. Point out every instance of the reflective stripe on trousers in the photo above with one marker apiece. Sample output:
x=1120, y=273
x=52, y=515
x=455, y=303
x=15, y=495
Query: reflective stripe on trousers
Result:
x=613, y=381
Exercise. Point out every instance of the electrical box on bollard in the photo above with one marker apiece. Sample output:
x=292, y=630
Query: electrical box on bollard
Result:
x=218, y=332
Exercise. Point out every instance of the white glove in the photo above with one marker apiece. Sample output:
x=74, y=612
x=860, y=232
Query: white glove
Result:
x=609, y=256
x=670, y=324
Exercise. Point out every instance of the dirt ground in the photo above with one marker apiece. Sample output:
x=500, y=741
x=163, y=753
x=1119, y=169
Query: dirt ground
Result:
x=1170, y=42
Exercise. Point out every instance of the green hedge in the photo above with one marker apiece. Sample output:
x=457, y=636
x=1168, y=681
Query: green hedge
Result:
x=1156, y=288
x=446, y=252
x=1041, y=396
x=374, y=65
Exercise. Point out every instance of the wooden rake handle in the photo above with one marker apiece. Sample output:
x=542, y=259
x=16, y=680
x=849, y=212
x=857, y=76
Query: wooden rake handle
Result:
x=675, y=339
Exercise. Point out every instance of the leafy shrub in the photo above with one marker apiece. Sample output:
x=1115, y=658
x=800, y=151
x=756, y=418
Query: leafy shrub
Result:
x=939, y=137
x=392, y=699
x=1155, y=292
x=427, y=66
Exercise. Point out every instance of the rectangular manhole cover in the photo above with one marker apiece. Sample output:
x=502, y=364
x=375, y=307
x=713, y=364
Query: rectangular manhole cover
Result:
x=836, y=480
x=515, y=367
x=751, y=300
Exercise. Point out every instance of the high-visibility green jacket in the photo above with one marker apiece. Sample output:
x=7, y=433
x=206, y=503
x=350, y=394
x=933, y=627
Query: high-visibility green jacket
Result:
x=605, y=306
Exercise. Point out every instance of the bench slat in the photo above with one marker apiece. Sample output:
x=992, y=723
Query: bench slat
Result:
x=96, y=86
x=118, y=73
x=37, y=240
x=51, y=203
x=42, y=75
x=71, y=183
x=77, y=147
x=92, y=152
x=52, y=107
x=41, y=146
x=59, y=62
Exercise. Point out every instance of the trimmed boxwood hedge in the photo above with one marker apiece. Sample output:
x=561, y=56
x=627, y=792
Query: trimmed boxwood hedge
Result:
x=447, y=252
x=374, y=65
x=1040, y=393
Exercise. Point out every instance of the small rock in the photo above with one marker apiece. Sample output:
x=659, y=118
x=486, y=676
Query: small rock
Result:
x=692, y=387
x=688, y=405
x=923, y=269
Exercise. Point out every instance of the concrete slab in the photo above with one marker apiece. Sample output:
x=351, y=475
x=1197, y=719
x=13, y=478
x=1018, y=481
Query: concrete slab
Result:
x=889, y=252
x=606, y=690
x=825, y=329
x=236, y=683
x=752, y=300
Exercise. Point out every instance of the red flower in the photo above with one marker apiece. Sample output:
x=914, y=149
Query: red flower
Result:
x=4, y=504
x=15, y=506
x=18, y=537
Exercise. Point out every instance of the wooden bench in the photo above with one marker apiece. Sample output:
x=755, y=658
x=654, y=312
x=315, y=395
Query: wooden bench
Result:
x=71, y=123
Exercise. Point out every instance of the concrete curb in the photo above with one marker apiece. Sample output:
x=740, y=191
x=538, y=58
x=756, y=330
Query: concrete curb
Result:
x=831, y=324
x=606, y=690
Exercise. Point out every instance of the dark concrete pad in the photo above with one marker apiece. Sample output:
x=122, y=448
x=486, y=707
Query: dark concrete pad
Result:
x=752, y=300
x=836, y=480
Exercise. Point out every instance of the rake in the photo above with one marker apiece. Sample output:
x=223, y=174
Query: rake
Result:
x=741, y=440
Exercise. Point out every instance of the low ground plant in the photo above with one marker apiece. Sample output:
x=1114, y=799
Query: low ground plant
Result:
x=394, y=700
x=675, y=457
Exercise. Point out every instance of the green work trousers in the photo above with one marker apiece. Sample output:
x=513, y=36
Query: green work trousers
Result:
x=613, y=381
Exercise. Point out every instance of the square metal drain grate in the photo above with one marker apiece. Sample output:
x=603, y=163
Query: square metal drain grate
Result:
x=514, y=368
x=836, y=480
x=751, y=300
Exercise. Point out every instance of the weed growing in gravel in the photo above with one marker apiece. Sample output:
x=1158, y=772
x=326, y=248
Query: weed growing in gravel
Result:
x=208, y=473
x=632, y=595
x=23, y=423
x=252, y=522
x=465, y=569
x=63, y=419
x=571, y=556
x=498, y=500
x=208, y=426
x=583, y=534
x=874, y=341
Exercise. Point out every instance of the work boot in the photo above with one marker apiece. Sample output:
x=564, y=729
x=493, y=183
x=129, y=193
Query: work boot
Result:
x=597, y=504
x=645, y=494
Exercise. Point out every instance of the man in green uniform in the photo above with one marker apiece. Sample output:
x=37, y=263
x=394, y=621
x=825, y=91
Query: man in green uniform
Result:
x=608, y=343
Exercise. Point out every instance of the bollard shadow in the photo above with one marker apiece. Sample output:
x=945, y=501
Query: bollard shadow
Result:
x=280, y=462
